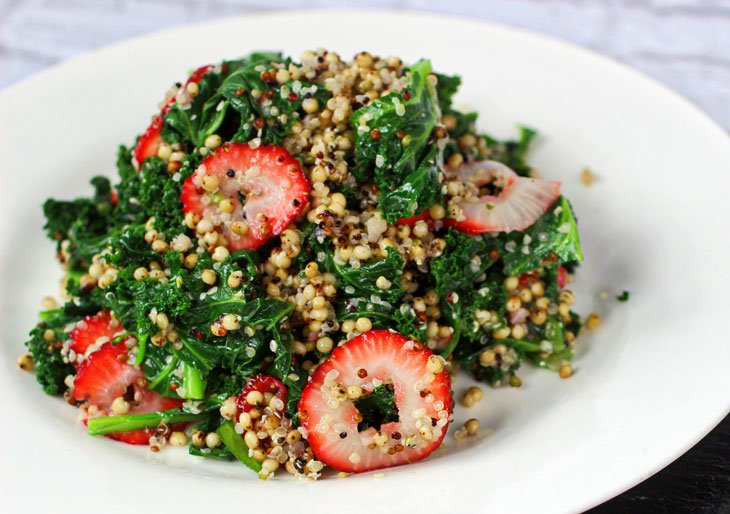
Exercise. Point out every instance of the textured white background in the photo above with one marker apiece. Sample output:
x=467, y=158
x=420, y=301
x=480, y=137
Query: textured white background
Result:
x=683, y=43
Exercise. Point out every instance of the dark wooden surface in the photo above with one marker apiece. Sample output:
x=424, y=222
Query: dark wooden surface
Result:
x=698, y=482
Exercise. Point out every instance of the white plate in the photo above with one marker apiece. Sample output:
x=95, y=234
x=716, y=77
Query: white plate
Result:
x=648, y=385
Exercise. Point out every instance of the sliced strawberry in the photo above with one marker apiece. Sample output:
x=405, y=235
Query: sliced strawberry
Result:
x=519, y=204
x=93, y=331
x=265, y=186
x=423, y=400
x=423, y=216
x=195, y=77
x=105, y=375
x=149, y=142
x=562, y=277
x=263, y=384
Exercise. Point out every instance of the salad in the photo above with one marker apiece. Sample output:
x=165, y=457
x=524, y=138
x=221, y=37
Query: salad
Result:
x=296, y=258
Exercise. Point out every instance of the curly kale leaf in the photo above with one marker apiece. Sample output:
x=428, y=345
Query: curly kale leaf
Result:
x=377, y=408
x=381, y=155
x=419, y=190
x=464, y=259
x=513, y=153
x=202, y=117
x=360, y=282
x=51, y=370
x=446, y=88
x=149, y=193
x=250, y=97
x=83, y=222
x=553, y=239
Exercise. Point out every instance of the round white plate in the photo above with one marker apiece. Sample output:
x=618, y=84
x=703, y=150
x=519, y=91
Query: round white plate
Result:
x=649, y=384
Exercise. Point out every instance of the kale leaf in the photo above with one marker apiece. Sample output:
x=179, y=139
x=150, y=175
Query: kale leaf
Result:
x=377, y=408
x=552, y=239
x=513, y=153
x=80, y=222
x=361, y=281
x=463, y=260
x=380, y=154
x=278, y=105
x=420, y=190
x=51, y=370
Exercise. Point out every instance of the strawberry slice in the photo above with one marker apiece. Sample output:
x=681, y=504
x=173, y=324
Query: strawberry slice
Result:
x=93, y=331
x=263, y=384
x=104, y=375
x=562, y=277
x=265, y=188
x=107, y=374
x=149, y=142
x=411, y=221
x=378, y=357
x=520, y=202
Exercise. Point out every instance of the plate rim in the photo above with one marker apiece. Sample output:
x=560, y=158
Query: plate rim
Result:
x=415, y=16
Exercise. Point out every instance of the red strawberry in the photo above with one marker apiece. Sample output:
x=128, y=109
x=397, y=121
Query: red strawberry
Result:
x=94, y=331
x=423, y=400
x=263, y=384
x=562, y=277
x=104, y=375
x=519, y=204
x=107, y=374
x=149, y=142
x=422, y=216
x=265, y=188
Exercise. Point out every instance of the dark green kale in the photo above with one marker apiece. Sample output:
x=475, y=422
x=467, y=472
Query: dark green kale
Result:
x=51, y=370
x=251, y=97
x=377, y=408
x=360, y=282
x=150, y=192
x=82, y=222
x=465, y=122
x=446, y=88
x=553, y=239
x=419, y=190
x=464, y=259
x=623, y=297
x=405, y=322
x=393, y=137
x=513, y=153
x=201, y=118
x=211, y=453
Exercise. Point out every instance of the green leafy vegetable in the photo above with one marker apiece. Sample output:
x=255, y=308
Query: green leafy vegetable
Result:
x=419, y=190
x=377, y=408
x=234, y=444
x=552, y=239
x=113, y=424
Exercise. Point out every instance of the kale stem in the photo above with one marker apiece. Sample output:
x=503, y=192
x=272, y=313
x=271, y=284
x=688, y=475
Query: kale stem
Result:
x=234, y=443
x=163, y=374
x=193, y=383
x=114, y=424
x=46, y=315
x=141, y=349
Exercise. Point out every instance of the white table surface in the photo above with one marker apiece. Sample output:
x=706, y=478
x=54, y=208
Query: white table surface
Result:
x=682, y=43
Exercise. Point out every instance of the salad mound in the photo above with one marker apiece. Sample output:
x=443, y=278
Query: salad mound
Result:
x=296, y=258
